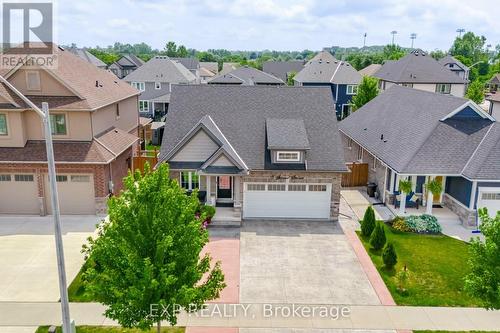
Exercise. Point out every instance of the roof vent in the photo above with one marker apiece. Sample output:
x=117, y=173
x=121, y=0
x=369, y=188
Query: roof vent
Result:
x=381, y=137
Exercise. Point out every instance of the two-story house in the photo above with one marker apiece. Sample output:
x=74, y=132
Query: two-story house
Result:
x=455, y=66
x=154, y=80
x=94, y=125
x=420, y=71
x=340, y=76
x=126, y=65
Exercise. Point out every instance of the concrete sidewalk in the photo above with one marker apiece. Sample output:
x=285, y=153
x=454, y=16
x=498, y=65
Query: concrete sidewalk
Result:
x=358, y=203
x=257, y=316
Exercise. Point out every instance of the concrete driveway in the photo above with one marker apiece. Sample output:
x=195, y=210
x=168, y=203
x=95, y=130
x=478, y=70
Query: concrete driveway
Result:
x=307, y=262
x=28, y=270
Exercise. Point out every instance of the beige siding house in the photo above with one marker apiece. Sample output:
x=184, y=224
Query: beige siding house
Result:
x=94, y=121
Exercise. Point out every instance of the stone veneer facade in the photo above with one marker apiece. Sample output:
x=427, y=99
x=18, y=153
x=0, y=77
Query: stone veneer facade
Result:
x=466, y=215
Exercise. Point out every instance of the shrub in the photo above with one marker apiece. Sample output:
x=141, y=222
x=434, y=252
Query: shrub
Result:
x=389, y=255
x=433, y=225
x=377, y=240
x=403, y=276
x=368, y=223
x=423, y=224
x=209, y=210
x=399, y=224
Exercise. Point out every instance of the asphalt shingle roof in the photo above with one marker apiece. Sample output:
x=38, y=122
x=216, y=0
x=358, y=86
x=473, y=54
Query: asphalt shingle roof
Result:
x=87, y=56
x=417, y=67
x=286, y=134
x=324, y=68
x=370, y=70
x=247, y=76
x=280, y=69
x=161, y=69
x=452, y=60
x=241, y=112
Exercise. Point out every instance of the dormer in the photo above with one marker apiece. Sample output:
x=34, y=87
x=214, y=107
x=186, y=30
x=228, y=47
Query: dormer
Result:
x=287, y=141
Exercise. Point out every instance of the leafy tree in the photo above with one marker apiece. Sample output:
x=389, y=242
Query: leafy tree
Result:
x=483, y=281
x=475, y=92
x=367, y=90
x=389, y=255
x=438, y=54
x=377, y=239
x=171, y=49
x=107, y=58
x=148, y=253
x=393, y=52
x=469, y=46
x=182, y=52
x=290, y=77
x=368, y=222
x=206, y=57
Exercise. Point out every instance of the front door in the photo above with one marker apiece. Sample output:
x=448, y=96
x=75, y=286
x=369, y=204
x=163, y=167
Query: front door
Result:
x=225, y=187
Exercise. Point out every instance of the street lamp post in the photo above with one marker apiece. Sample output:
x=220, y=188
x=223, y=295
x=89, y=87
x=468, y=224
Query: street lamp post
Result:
x=413, y=36
x=460, y=30
x=393, y=33
x=364, y=39
x=44, y=114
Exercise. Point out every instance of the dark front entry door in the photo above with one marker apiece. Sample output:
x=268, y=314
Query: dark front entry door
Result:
x=224, y=187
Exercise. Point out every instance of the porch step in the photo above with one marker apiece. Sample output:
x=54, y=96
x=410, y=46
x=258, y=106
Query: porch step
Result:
x=227, y=216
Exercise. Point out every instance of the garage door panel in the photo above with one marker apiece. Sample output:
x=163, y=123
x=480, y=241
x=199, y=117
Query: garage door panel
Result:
x=489, y=198
x=287, y=204
x=76, y=194
x=19, y=194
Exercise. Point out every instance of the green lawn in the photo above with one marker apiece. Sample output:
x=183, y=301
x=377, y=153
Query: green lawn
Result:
x=76, y=290
x=105, y=329
x=437, y=265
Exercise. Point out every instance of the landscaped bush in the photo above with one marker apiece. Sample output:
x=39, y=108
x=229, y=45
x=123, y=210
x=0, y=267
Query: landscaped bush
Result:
x=389, y=255
x=423, y=224
x=399, y=224
x=368, y=223
x=377, y=240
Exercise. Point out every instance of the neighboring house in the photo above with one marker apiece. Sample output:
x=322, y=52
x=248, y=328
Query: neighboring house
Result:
x=456, y=66
x=154, y=80
x=126, y=65
x=211, y=66
x=246, y=76
x=88, y=57
x=494, y=109
x=205, y=75
x=282, y=69
x=420, y=71
x=269, y=152
x=370, y=70
x=95, y=126
x=192, y=64
x=494, y=83
x=340, y=76
x=409, y=133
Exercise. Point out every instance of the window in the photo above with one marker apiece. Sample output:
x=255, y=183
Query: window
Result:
x=23, y=178
x=443, y=88
x=117, y=111
x=33, y=80
x=143, y=106
x=317, y=188
x=157, y=85
x=409, y=85
x=80, y=178
x=190, y=180
x=297, y=187
x=5, y=178
x=276, y=187
x=141, y=86
x=352, y=89
x=360, y=153
x=288, y=156
x=58, y=124
x=3, y=124
x=61, y=178
x=490, y=196
x=256, y=187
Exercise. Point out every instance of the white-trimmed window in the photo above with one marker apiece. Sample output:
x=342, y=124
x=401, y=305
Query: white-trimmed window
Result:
x=190, y=180
x=143, y=106
x=58, y=124
x=141, y=86
x=352, y=89
x=24, y=178
x=490, y=196
x=317, y=188
x=61, y=178
x=3, y=124
x=288, y=156
x=157, y=85
x=360, y=153
x=33, y=80
x=256, y=187
x=443, y=88
x=276, y=187
x=5, y=178
x=80, y=178
x=297, y=187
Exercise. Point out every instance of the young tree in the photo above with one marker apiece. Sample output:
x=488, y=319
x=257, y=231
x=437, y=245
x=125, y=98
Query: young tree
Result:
x=147, y=257
x=289, y=79
x=368, y=223
x=475, y=92
x=182, y=52
x=367, y=90
x=405, y=187
x=433, y=188
x=389, y=255
x=378, y=239
x=483, y=280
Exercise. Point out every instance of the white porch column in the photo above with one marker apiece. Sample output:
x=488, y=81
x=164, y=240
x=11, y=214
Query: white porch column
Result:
x=473, y=194
x=430, y=199
x=209, y=196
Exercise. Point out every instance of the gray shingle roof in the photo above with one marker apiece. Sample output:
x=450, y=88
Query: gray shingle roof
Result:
x=286, y=134
x=87, y=56
x=324, y=68
x=370, y=70
x=247, y=76
x=161, y=69
x=241, y=112
x=211, y=66
x=417, y=141
x=452, y=60
x=417, y=67
x=189, y=63
x=129, y=60
x=280, y=69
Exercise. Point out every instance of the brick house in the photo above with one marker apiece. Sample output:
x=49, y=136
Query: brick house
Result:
x=94, y=121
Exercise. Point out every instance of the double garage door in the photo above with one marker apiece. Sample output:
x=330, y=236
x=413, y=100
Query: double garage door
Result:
x=76, y=194
x=489, y=198
x=291, y=200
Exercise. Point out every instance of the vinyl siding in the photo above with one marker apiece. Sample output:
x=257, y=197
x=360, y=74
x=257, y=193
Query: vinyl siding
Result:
x=198, y=149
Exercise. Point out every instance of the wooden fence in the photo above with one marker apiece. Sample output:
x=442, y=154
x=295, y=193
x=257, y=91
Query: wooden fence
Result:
x=358, y=175
x=150, y=156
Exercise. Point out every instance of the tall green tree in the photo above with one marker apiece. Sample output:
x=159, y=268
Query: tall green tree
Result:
x=182, y=52
x=470, y=46
x=367, y=90
x=393, y=52
x=475, y=92
x=146, y=261
x=483, y=281
x=171, y=49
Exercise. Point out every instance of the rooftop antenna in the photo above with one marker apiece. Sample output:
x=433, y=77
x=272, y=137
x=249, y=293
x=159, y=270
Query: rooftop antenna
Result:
x=393, y=33
x=413, y=36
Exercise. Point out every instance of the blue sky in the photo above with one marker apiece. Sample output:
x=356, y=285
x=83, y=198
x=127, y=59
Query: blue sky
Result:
x=273, y=24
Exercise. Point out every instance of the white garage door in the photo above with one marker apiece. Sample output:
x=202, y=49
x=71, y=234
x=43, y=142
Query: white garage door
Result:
x=489, y=198
x=279, y=200
x=18, y=194
x=76, y=194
